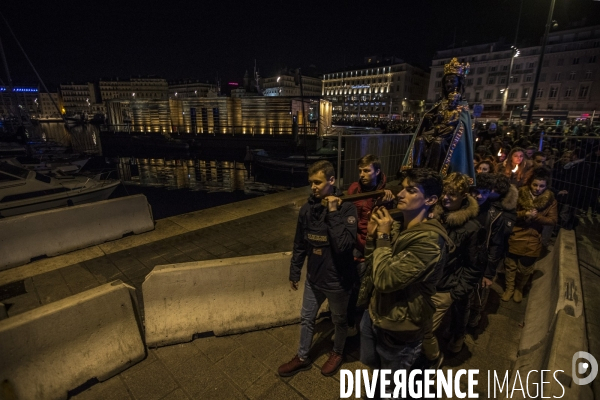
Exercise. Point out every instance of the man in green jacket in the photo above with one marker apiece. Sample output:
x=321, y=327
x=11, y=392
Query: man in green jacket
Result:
x=407, y=258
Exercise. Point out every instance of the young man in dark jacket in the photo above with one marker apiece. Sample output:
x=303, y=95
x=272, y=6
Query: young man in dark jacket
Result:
x=326, y=235
x=457, y=213
x=371, y=178
x=407, y=259
x=497, y=200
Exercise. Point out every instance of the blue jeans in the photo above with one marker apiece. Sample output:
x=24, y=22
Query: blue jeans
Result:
x=311, y=302
x=379, y=352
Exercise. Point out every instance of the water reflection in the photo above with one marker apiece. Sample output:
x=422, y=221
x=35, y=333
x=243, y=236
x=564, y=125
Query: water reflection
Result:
x=191, y=174
x=82, y=138
x=167, y=170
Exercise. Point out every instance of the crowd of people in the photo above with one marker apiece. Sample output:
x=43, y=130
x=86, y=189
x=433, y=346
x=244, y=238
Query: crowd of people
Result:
x=573, y=163
x=392, y=266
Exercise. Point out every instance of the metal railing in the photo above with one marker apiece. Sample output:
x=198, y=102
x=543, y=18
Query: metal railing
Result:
x=389, y=147
x=251, y=130
x=575, y=165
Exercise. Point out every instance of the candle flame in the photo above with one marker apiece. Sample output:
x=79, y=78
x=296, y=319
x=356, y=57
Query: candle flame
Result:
x=499, y=152
x=516, y=168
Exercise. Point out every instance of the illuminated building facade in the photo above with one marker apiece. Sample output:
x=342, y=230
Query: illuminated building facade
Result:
x=217, y=115
x=383, y=88
x=25, y=98
x=571, y=63
x=283, y=85
x=184, y=89
x=139, y=115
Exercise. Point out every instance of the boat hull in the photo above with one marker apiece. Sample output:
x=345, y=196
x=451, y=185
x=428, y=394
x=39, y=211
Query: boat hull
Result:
x=58, y=200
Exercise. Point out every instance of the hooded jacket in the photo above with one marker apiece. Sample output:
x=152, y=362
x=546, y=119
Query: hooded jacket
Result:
x=405, y=271
x=461, y=272
x=363, y=210
x=498, y=219
x=526, y=238
x=327, y=239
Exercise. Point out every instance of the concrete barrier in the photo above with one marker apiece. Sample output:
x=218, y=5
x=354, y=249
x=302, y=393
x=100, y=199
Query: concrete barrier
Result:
x=59, y=231
x=554, y=327
x=223, y=296
x=57, y=347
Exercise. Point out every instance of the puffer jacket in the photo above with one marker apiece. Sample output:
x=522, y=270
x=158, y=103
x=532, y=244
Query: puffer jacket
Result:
x=364, y=208
x=526, y=238
x=327, y=239
x=405, y=271
x=498, y=219
x=461, y=272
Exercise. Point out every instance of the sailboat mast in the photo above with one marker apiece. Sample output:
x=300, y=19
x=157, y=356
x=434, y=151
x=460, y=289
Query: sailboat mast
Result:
x=5, y=65
x=9, y=89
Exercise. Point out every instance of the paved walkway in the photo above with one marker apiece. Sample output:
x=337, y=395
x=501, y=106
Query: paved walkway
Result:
x=236, y=366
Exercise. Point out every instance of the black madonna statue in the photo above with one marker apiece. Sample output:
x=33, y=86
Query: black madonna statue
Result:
x=444, y=139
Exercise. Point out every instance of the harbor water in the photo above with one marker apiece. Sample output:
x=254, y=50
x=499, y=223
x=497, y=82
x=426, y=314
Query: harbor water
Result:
x=174, y=182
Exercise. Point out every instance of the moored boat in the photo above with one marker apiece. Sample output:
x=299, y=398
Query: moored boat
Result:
x=23, y=191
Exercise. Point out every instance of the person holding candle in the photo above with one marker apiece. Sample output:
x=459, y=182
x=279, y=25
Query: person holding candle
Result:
x=516, y=167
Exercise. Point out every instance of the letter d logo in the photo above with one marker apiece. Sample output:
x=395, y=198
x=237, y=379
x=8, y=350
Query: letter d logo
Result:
x=583, y=366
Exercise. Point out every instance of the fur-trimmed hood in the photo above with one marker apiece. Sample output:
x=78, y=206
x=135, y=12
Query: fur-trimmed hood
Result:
x=510, y=200
x=457, y=218
x=526, y=201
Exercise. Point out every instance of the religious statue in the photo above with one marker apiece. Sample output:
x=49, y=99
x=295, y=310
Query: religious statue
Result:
x=443, y=140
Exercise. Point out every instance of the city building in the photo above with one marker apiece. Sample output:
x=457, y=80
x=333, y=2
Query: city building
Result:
x=22, y=99
x=240, y=92
x=283, y=84
x=382, y=88
x=183, y=89
x=149, y=88
x=48, y=103
x=144, y=88
x=77, y=98
x=565, y=89
x=114, y=88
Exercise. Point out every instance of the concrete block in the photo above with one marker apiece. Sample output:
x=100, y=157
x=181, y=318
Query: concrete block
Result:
x=224, y=296
x=55, y=348
x=548, y=293
x=59, y=231
x=555, y=327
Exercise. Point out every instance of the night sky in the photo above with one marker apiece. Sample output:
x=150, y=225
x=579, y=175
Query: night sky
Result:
x=84, y=40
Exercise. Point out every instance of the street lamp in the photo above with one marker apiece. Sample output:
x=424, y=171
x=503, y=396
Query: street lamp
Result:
x=515, y=53
x=279, y=86
x=539, y=66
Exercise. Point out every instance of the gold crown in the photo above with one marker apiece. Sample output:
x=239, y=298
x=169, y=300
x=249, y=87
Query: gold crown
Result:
x=456, y=68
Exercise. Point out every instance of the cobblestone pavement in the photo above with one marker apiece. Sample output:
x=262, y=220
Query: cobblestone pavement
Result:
x=240, y=366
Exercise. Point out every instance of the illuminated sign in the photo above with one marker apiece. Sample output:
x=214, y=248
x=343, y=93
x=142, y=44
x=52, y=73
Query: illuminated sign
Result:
x=233, y=84
x=361, y=86
x=20, y=89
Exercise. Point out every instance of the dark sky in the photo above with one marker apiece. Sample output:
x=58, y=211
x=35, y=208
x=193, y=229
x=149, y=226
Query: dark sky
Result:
x=85, y=40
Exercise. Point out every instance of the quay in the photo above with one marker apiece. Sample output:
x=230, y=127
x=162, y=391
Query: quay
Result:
x=243, y=365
